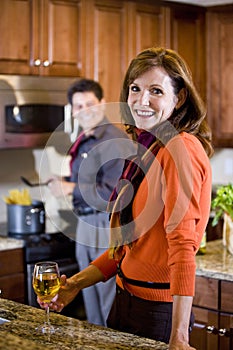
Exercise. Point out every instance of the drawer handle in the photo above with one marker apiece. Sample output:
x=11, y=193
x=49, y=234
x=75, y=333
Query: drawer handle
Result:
x=225, y=332
x=211, y=330
x=199, y=325
x=37, y=62
x=46, y=63
x=222, y=331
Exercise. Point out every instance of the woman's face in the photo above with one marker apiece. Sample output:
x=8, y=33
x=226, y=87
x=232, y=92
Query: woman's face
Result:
x=151, y=98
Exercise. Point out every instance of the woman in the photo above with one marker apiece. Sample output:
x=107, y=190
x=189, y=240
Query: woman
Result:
x=161, y=207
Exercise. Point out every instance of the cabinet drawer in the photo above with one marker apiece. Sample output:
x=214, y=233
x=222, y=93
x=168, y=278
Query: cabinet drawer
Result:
x=11, y=261
x=206, y=292
x=13, y=286
x=226, y=296
x=199, y=337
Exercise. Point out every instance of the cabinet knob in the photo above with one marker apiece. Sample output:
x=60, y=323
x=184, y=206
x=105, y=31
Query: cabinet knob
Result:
x=211, y=330
x=37, y=62
x=46, y=63
x=222, y=331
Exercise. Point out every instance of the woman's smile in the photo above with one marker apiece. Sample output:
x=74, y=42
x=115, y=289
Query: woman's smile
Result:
x=144, y=114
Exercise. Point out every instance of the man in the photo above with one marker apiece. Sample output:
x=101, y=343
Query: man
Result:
x=97, y=159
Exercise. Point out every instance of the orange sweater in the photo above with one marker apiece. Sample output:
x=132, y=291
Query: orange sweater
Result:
x=170, y=220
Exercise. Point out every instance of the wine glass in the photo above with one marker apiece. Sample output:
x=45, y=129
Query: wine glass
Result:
x=46, y=284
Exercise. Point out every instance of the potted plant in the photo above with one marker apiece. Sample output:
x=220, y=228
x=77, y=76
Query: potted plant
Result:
x=222, y=204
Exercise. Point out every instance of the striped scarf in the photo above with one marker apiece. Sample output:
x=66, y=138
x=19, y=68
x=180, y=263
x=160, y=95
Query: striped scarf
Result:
x=121, y=201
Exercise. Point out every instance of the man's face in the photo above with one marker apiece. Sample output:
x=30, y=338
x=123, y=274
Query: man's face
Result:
x=87, y=109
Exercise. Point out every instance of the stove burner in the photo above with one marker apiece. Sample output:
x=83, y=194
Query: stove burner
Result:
x=45, y=246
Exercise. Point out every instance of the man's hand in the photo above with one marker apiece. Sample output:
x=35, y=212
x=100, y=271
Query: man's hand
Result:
x=60, y=187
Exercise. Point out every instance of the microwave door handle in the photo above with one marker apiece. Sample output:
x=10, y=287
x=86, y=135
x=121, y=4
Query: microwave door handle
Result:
x=74, y=134
x=68, y=125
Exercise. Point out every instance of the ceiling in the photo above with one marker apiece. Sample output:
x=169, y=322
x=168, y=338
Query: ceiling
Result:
x=204, y=2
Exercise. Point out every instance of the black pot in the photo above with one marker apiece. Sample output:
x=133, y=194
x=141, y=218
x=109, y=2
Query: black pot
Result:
x=26, y=219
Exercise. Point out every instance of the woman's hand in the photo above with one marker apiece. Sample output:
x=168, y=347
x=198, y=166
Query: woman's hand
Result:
x=67, y=292
x=180, y=346
x=179, y=339
x=70, y=287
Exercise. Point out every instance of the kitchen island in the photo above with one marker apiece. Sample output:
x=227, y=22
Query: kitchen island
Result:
x=20, y=332
x=216, y=266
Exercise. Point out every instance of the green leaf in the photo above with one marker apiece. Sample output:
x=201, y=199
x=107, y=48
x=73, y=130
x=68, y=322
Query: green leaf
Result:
x=223, y=202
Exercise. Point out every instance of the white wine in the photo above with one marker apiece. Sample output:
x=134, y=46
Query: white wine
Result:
x=46, y=286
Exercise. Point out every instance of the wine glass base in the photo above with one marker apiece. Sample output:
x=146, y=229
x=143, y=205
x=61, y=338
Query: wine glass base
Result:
x=47, y=329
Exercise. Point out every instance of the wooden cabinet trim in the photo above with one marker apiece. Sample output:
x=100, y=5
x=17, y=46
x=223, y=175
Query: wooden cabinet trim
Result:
x=226, y=297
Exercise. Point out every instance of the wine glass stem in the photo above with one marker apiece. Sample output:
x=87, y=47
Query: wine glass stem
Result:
x=47, y=320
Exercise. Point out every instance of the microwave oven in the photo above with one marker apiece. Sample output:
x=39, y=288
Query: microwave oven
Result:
x=32, y=109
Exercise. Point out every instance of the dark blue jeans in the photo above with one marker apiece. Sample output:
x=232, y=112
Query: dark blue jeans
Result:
x=150, y=319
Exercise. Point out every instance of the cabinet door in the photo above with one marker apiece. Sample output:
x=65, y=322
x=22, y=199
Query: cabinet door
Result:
x=147, y=27
x=56, y=40
x=105, y=45
x=199, y=337
x=220, y=77
x=188, y=39
x=15, y=29
x=226, y=331
x=13, y=287
x=226, y=296
x=206, y=292
x=12, y=279
x=40, y=37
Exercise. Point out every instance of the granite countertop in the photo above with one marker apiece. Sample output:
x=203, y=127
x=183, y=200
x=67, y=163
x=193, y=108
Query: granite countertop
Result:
x=73, y=334
x=216, y=263
x=7, y=243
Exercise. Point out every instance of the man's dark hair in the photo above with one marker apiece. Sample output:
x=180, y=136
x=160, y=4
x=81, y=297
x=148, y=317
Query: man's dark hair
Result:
x=85, y=85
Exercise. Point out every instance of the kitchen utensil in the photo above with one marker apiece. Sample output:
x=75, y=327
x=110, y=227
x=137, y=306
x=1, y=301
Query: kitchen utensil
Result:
x=27, y=182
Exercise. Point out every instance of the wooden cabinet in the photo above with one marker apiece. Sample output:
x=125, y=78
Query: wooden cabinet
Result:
x=188, y=38
x=40, y=37
x=200, y=338
x=220, y=77
x=105, y=44
x=96, y=38
x=15, y=28
x=147, y=27
x=213, y=309
x=12, y=280
x=119, y=30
